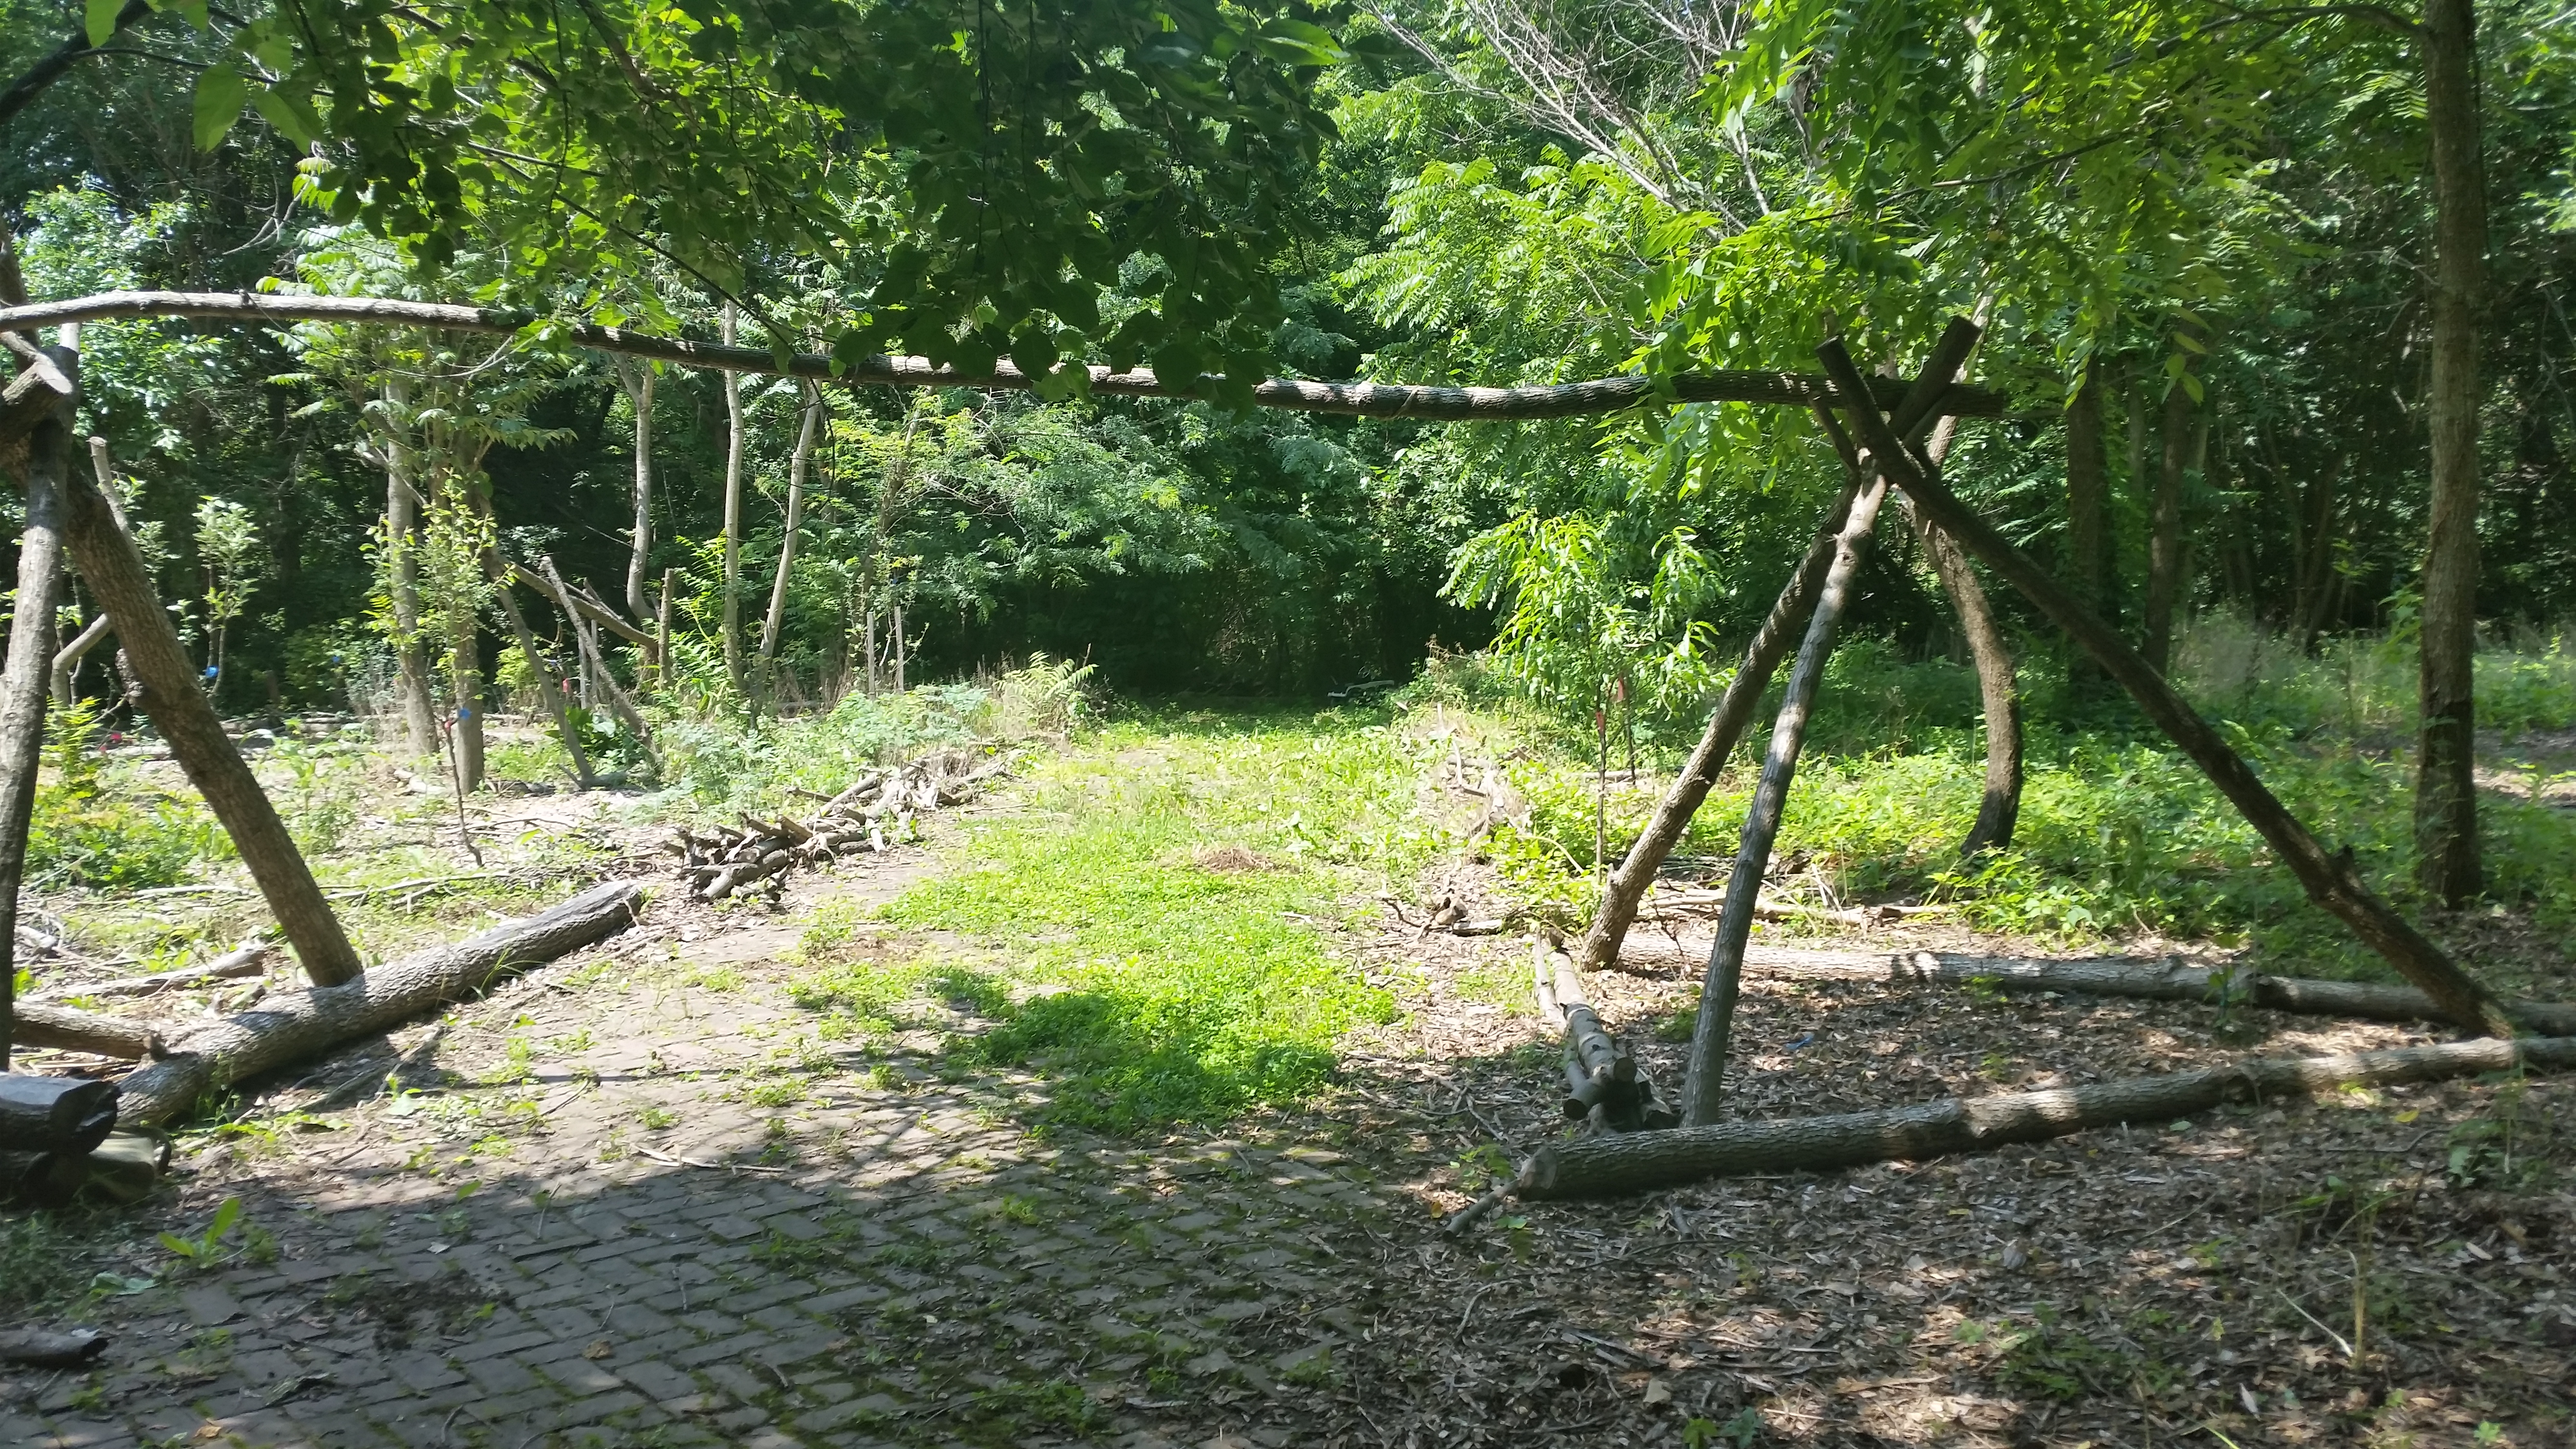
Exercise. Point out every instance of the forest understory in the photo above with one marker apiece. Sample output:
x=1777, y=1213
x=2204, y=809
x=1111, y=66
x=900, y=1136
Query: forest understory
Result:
x=1152, y=1049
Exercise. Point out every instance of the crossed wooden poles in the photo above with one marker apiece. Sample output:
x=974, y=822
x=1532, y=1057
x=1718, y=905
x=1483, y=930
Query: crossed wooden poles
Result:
x=1876, y=425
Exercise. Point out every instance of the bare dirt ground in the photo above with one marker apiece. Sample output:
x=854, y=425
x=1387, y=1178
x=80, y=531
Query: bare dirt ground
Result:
x=635, y=1199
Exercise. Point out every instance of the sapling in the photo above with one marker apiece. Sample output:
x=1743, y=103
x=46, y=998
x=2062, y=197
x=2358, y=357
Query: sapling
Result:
x=228, y=548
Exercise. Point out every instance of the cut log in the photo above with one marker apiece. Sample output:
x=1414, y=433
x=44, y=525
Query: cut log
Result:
x=69, y=1029
x=248, y=960
x=45, y=1348
x=2329, y=878
x=2144, y=979
x=167, y=688
x=1603, y=1085
x=55, y=1114
x=1611, y=1166
x=295, y=1024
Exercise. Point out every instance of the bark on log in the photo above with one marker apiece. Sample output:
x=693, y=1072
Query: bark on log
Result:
x=70, y=1029
x=117, y=574
x=1603, y=1084
x=28, y=677
x=1352, y=399
x=1610, y=1166
x=2332, y=881
x=2142, y=979
x=55, y=1114
x=292, y=1025
x=43, y=1348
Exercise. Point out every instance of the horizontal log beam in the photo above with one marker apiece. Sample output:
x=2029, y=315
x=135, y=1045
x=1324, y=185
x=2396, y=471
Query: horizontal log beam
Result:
x=1612, y=1166
x=1351, y=399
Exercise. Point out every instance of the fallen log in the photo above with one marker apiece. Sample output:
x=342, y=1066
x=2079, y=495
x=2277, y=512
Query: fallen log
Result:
x=1603, y=1085
x=55, y=1114
x=45, y=1348
x=2140, y=978
x=250, y=960
x=872, y=814
x=1609, y=1166
x=296, y=1024
x=70, y=1029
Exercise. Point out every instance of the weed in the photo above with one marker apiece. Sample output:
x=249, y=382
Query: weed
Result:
x=207, y=1249
x=658, y=1119
x=41, y=1262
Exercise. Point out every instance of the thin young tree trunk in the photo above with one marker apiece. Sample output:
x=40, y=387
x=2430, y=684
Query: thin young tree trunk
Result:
x=733, y=518
x=548, y=685
x=2164, y=525
x=2447, y=861
x=2331, y=880
x=899, y=646
x=1709, y=1042
x=167, y=688
x=662, y=630
x=2088, y=514
x=639, y=391
x=2000, y=808
x=796, y=466
x=597, y=664
x=68, y=658
x=30, y=664
x=465, y=682
x=402, y=532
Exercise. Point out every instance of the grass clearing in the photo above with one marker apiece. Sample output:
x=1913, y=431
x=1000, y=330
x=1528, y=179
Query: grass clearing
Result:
x=1146, y=933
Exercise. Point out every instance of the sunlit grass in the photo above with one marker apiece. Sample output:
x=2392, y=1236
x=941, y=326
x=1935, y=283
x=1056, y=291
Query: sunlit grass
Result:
x=1142, y=986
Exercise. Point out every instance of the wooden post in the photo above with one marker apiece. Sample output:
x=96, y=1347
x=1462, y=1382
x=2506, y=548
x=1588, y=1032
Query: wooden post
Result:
x=2331, y=880
x=30, y=666
x=1702, y=1085
x=165, y=689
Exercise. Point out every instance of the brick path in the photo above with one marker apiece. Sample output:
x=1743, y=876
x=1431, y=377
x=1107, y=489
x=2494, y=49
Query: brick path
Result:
x=693, y=1236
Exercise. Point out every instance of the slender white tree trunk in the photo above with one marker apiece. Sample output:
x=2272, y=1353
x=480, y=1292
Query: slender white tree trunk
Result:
x=733, y=518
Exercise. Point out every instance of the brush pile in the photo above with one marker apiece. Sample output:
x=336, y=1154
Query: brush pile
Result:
x=879, y=812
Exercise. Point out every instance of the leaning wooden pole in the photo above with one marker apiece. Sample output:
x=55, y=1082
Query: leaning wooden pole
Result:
x=1626, y=889
x=2330, y=879
x=166, y=691
x=1614, y=1165
x=1702, y=1083
x=28, y=677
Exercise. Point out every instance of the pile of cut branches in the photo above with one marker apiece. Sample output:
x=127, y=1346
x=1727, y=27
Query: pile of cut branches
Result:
x=880, y=811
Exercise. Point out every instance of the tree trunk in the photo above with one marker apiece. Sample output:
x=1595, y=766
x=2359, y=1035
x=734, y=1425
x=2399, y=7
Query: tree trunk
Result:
x=402, y=585
x=2000, y=808
x=2164, y=521
x=249, y=959
x=30, y=664
x=662, y=630
x=2088, y=516
x=68, y=658
x=588, y=644
x=1709, y=1042
x=465, y=681
x=1627, y=885
x=2446, y=801
x=639, y=391
x=548, y=684
x=55, y=1114
x=2330, y=880
x=168, y=694
x=733, y=519
x=1613, y=1165
x=296, y=1024
x=803, y=458
x=899, y=647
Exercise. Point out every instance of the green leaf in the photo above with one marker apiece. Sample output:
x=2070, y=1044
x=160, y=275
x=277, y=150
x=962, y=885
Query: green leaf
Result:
x=100, y=19
x=220, y=94
x=292, y=115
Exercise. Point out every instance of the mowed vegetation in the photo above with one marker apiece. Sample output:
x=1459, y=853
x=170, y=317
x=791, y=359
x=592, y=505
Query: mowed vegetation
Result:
x=1152, y=930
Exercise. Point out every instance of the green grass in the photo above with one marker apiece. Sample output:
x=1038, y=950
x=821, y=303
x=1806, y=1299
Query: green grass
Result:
x=2119, y=834
x=1141, y=988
